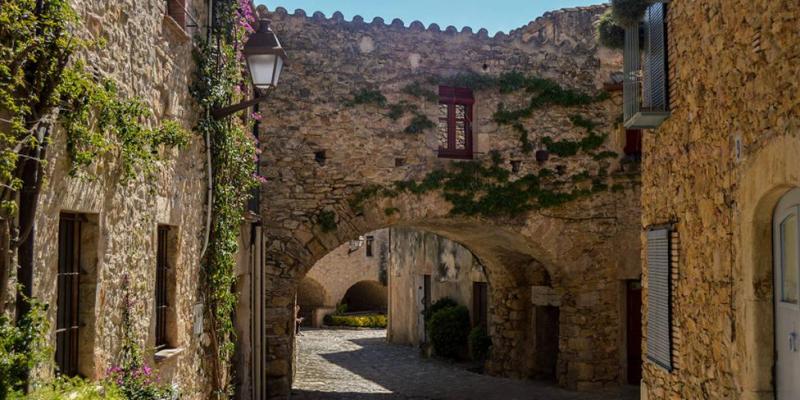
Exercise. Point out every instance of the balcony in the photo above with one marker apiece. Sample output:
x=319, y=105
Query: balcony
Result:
x=646, y=85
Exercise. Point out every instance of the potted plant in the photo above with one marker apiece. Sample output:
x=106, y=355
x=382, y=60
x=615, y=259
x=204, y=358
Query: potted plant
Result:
x=629, y=12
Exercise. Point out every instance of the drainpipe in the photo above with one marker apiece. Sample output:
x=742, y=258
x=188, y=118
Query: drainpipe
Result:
x=210, y=172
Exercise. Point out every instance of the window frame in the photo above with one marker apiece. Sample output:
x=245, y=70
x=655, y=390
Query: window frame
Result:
x=68, y=294
x=480, y=304
x=668, y=362
x=452, y=97
x=161, y=300
x=369, y=243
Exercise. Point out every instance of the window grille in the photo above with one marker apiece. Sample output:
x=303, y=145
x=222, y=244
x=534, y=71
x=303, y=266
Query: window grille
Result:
x=659, y=297
x=454, y=127
x=162, y=299
x=68, y=301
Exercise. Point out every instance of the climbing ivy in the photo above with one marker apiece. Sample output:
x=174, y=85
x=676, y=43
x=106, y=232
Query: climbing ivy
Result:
x=485, y=190
x=99, y=120
x=327, y=221
x=416, y=89
x=218, y=83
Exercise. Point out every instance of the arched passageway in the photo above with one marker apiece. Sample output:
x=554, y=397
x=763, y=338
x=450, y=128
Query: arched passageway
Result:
x=558, y=231
x=366, y=296
x=311, y=296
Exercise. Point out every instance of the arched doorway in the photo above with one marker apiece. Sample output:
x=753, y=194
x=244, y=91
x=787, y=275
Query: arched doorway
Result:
x=786, y=256
x=366, y=296
x=311, y=297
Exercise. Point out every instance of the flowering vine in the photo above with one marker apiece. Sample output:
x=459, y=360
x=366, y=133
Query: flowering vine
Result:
x=220, y=82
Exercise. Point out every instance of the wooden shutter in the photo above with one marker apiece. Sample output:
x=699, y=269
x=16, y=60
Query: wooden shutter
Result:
x=659, y=298
x=176, y=10
x=655, y=60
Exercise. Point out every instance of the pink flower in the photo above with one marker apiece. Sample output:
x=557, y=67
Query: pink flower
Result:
x=256, y=116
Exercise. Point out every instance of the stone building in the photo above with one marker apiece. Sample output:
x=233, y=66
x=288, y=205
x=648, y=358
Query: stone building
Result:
x=103, y=245
x=424, y=268
x=720, y=195
x=365, y=105
x=353, y=274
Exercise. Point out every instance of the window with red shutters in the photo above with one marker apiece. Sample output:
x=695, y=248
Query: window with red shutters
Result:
x=177, y=10
x=454, y=128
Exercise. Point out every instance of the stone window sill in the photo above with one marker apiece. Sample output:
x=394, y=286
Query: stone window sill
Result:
x=167, y=354
x=175, y=31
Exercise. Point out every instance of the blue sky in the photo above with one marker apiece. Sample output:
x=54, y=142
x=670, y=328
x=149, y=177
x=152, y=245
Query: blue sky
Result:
x=494, y=15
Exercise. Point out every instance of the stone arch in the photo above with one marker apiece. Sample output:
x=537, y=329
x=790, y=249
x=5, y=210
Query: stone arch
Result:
x=311, y=295
x=567, y=253
x=768, y=177
x=366, y=296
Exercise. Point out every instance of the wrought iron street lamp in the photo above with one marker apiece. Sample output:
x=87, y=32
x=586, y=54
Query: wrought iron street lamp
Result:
x=265, y=59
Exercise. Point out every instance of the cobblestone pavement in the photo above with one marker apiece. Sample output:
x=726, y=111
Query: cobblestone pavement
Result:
x=350, y=364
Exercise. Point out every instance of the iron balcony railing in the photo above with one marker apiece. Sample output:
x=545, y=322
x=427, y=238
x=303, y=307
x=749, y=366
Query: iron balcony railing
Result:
x=645, y=85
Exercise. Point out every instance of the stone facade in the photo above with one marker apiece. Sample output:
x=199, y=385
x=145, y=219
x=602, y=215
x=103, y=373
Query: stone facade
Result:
x=329, y=280
x=318, y=153
x=149, y=56
x=452, y=269
x=717, y=168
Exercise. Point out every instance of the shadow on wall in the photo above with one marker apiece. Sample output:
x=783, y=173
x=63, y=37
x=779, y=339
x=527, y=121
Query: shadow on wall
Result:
x=366, y=296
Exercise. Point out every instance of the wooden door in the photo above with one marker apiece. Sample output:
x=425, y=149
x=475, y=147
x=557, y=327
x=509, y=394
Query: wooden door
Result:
x=634, y=331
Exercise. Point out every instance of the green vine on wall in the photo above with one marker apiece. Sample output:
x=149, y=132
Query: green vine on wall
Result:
x=476, y=189
x=44, y=87
x=233, y=151
x=419, y=122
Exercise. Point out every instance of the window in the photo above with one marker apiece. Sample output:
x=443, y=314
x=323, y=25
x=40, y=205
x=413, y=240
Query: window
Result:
x=480, y=299
x=176, y=10
x=454, y=129
x=165, y=301
x=162, y=303
x=68, y=285
x=659, y=297
x=645, y=80
x=370, y=241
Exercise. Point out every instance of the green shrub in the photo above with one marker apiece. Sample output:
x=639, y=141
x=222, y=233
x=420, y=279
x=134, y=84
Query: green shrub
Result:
x=629, y=12
x=444, y=302
x=22, y=346
x=609, y=33
x=448, y=331
x=479, y=343
x=357, y=321
x=341, y=308
x=327, y=221
x=73, y=388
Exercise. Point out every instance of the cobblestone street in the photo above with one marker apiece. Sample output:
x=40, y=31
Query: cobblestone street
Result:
x=349, y=364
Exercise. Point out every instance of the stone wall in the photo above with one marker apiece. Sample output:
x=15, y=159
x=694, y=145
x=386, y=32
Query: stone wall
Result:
x=717, y=167
x=350, y=264
x=149, y=57
x=452, y=267
x=320, y=150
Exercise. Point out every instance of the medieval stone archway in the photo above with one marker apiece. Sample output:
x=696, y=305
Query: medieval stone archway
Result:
x=579, y=259
x=366, y=296
x=354, y=142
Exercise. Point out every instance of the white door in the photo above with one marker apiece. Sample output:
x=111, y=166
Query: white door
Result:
x=786, y=240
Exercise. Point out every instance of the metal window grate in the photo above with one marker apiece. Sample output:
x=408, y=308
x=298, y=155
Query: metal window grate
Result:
x=655, y=61
x=68, y=286
x=659, y=297
x=645, y=80
x=162, y=303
